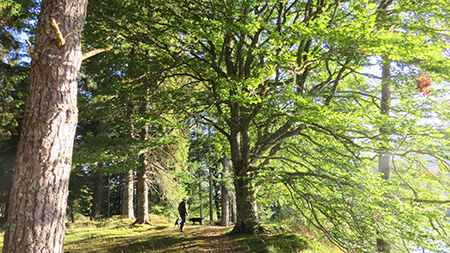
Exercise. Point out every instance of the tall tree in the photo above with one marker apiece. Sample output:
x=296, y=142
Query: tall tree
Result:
x=128, y=195
x=383, y=156
x=268, y=72
x=44, y=157
x=142, y=176
x=97, y=192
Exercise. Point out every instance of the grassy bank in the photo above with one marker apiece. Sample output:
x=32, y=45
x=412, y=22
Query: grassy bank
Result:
x=123, y=236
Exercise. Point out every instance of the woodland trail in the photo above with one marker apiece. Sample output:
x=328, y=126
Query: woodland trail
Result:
x=204, y=239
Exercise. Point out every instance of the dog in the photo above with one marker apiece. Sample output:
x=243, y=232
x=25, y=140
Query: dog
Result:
x=177, y=223
x=199, y=220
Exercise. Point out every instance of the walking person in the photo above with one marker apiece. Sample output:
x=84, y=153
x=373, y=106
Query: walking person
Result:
x=182, y=210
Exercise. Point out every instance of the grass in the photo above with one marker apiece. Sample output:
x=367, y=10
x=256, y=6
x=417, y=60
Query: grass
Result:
x=117, y=235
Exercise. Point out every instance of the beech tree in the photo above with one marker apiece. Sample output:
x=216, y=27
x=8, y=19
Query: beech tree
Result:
x=44, y=157
x=282, y=81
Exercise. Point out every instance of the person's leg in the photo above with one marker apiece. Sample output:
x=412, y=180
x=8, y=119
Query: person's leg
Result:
x=183, y=220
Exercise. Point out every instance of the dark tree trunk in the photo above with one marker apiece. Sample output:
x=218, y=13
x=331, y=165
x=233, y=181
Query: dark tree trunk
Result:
x=217, y=203
x=247, y=216
x=247, y=221
x=97, y=194
x=38, y=197
x=128, y=200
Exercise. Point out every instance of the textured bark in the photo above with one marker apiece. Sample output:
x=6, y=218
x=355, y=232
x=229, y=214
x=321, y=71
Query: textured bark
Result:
x=128, y=200
x=40, y=187
x=233, y=216
x=142, y=194
x=97, y=195
x=142, y=187
x=225, y=196
x=247, y=221
x=225, y=207
x=247, y=216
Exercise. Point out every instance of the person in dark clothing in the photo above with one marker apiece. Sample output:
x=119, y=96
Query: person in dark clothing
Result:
x=182, y=210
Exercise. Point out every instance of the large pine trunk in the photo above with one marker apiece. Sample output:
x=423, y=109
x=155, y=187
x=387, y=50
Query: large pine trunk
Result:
x=38, y=197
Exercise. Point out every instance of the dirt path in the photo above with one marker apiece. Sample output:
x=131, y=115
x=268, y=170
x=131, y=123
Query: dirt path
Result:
x=204, y=239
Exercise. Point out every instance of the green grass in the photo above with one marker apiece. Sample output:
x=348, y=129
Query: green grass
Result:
x=117, y=235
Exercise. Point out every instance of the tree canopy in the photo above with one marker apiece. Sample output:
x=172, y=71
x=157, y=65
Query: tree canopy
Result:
x=292, y=92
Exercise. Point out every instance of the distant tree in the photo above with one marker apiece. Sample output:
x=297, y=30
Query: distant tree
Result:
x=39, y=194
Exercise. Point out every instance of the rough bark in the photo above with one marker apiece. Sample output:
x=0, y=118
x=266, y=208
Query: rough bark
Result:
x=38, y=198
x=233, y=215
x=225, y=196
x=142, y=193
x=247, y=221
x=142, y=177
x=128, y=200
x=97, y=195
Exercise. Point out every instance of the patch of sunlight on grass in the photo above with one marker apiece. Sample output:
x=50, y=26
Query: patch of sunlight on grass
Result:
x=2, y=233
x=121, y=238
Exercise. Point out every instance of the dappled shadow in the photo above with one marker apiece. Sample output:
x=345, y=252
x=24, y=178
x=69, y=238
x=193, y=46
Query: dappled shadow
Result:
x=271, y=243
x=195, y=239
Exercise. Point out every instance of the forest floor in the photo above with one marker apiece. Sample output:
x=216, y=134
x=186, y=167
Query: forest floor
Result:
x=123, y=236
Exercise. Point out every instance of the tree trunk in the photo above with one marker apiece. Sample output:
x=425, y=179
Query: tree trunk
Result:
x=247, y=216
x=233, y=216
x=200, y=197
x=97, y=194
x=142, y=194
x=384, y=157
x=128, y=181
x=225, y=196
x=128, y=201
x=225, y=207
x=247, y=221
x=38, y=197
x=217, y=203
x=211, y=207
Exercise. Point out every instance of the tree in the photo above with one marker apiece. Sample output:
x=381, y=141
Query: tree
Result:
x=271, y=72
x=13, y=86
x=44, y=157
